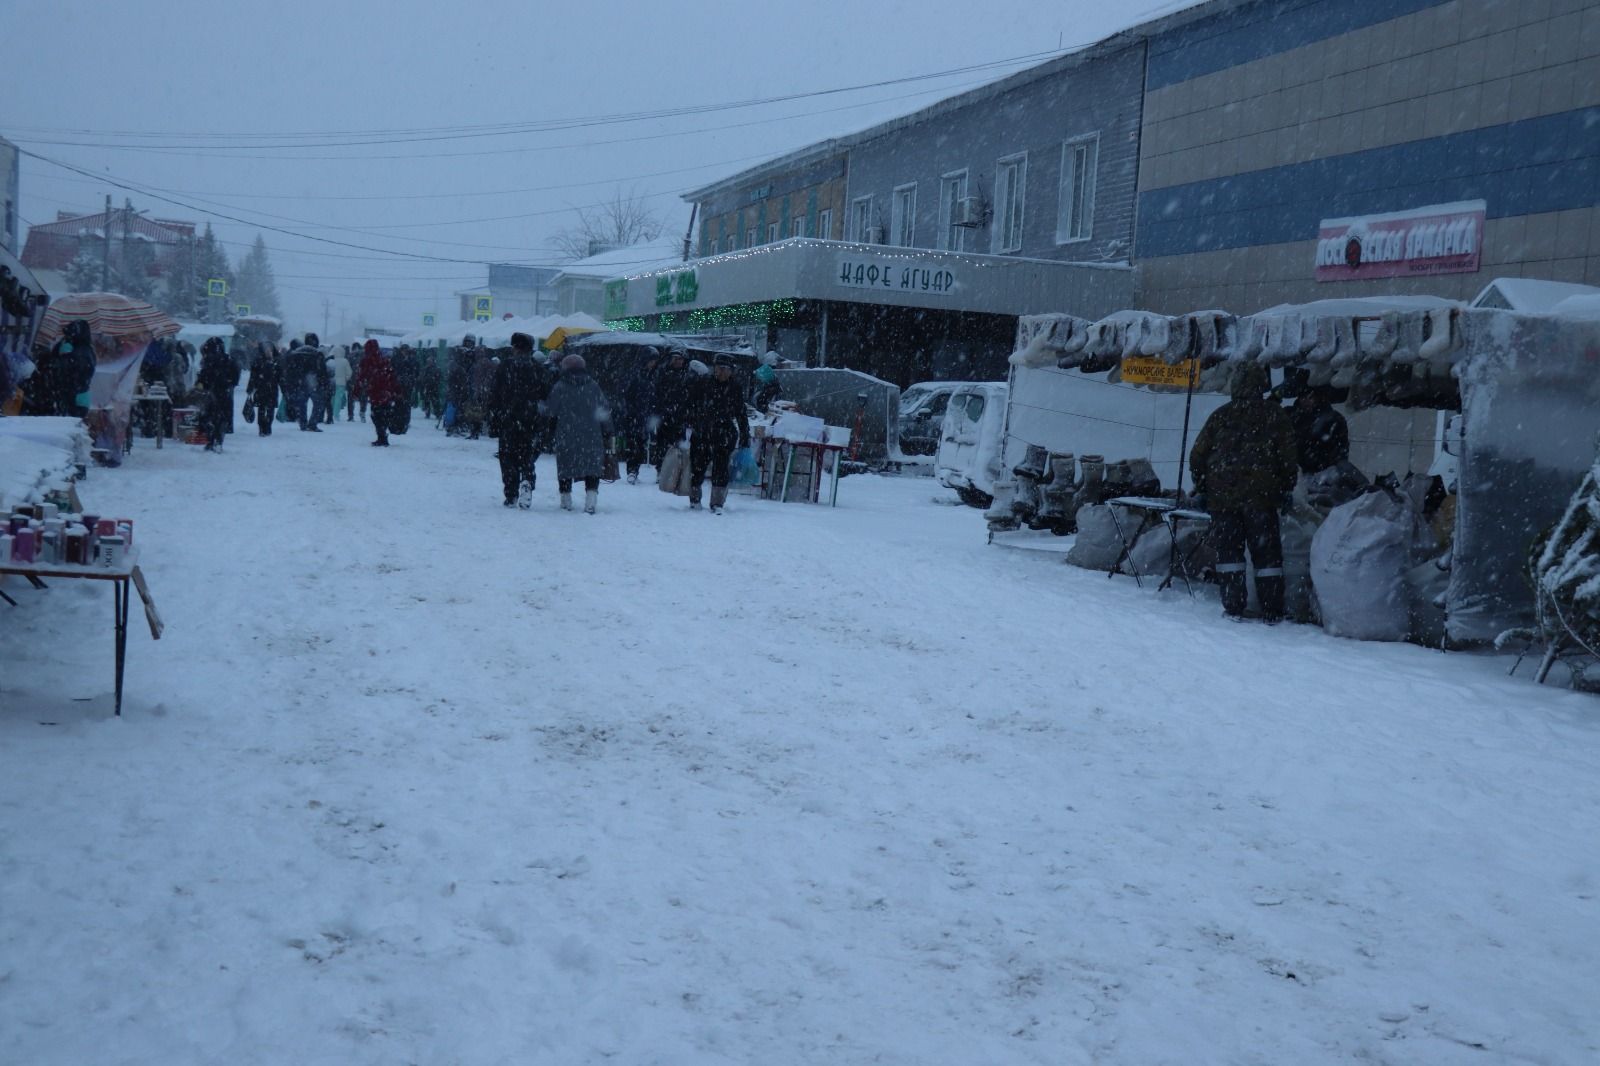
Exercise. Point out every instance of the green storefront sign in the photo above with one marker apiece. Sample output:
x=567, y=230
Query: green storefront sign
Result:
x=616, y=299
x=680, y=287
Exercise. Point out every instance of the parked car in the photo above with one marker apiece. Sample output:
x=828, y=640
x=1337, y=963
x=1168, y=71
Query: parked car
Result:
x=972, y=440
x=922, y=408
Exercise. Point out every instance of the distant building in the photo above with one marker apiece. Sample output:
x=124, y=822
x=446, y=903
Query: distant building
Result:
x=581, y=285
x=10, y=193
x=52, y=246
x=512, y=290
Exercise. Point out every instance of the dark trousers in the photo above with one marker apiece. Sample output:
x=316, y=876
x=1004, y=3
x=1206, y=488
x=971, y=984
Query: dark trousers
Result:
x=590, y=484
x=711, y=453
x=380, y=422
x=1231, y=533
x=295, y=401
x=635, y=448
x=215, y=416
x=319, y=407
x=517, y=455
x=350, y=405
x=264, y=413
x=228, y=411
x=668, y=435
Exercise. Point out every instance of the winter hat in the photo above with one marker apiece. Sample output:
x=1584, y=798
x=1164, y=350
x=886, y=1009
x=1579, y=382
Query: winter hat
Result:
x=573, y=362
x=698, y=368
x=371, y=347
x=1249, y=382
x=521, y=342
x=311, y=340
x=726, y=360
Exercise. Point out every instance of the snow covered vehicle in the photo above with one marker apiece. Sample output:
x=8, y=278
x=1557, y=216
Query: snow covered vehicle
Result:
x=922, y=408
x=971, y=440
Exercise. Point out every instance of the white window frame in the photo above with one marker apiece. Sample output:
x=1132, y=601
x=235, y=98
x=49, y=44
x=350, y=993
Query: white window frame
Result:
x=774, y=231
x=797, y=226
x=860, y=219
x=1009, y=205
x=952, y=238
x=903, y=216
x=750, y=237
x=825, y=224
x=1074, y=221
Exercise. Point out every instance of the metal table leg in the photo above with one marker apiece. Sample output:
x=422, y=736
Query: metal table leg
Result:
x=1127, y=551
x=120, y=598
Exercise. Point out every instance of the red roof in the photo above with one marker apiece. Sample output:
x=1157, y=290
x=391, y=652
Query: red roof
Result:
x=53, y=245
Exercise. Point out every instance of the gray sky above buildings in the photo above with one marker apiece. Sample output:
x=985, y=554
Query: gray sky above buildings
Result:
x=202, y=99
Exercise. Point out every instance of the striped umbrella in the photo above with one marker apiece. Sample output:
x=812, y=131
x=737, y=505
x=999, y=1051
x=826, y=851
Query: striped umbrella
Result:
x=109, y=314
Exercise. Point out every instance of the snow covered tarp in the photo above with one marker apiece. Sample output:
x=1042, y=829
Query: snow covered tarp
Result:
x=38, y=455
x=847, y=398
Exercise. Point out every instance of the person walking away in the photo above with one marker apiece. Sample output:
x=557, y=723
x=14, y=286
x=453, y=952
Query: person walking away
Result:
x=580, y=424
x=458, y=383
x=406, y=372
x=480, y=385
x=520, y=386
x=638, y=414
x=717, y=424
x=79, y=369
x=339, y=362
x=767, y=387
x=238, y=355
x=300, y=372
x=215, y=384
x=265, y=376
x=1243, y=465
x=430, y=381
x=671, y=405
x=376, y=377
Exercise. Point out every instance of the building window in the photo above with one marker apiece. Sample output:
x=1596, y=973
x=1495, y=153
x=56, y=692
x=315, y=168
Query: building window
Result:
x=1079, y=160
x=825, y=224
x=797, y=226
x=860, y=220
x=750, y=237
x=952, y=191
x=772, y=232
x=728, y=243
x=903, y=216
x=1010, y=193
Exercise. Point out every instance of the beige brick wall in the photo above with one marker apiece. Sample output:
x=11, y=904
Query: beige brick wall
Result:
x=1557, y=246
x=1461, y=65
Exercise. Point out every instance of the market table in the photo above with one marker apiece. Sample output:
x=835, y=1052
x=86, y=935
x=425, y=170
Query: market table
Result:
x=156, y=399
x=121, y=576
x=1178, y=563
x=1150, y=510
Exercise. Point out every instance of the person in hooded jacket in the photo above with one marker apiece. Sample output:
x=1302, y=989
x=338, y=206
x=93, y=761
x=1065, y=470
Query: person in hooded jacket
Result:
x=458, y=384
x=671, y=415
x=767, y=387
x=266, y=374
x=376, y=376
x=215, y=384
x=521, y=385
x=579, y=426
x=717, y=422
x=430, y=381
x=636, y=423
x=339, y=365
x=302, y=368
x=1243, y=465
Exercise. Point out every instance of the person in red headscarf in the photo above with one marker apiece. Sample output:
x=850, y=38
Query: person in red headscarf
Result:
x=376, y=376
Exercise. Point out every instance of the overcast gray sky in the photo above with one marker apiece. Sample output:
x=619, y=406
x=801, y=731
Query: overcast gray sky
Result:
x=203, y=98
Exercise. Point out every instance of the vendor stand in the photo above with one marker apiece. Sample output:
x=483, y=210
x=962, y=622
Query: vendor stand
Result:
x=22, y=306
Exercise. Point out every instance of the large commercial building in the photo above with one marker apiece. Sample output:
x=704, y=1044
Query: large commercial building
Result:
x=1238, y=154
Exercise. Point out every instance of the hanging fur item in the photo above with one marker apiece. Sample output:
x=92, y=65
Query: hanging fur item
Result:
x=1382, y=341
x=1157, y=336
x=1409, y=345
x=1327, y=341
x=1439, y=328
x=1180, y=339
x=1252, y=339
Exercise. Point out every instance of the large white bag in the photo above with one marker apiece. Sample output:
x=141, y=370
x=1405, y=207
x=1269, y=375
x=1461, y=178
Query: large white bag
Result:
x=1098, y=547
x=1359, y=559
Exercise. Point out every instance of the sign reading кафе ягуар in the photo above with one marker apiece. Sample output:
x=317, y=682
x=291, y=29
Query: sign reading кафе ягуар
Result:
x=895, y=273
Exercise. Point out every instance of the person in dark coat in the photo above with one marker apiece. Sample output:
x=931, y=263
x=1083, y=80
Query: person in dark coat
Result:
x=671, y=404
x=215, y=385
x=579, y=426
x=406, y=372
x=520, y=386
x=265, y=376
x=302, y=368
x=430, y=380
x=376, y=376
x=1321, y=434
x=767, y=386
x=717, y=423
x=1243, y=464
x=458, y=384
x=637, y=419
x=80, y=367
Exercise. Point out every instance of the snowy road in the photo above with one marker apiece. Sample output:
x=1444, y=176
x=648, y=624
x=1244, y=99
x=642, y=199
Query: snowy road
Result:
x=416, y=779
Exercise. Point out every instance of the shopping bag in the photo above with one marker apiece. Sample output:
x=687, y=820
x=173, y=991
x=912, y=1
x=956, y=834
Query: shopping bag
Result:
x=450, y=416
x=608, y=468
x=399, y=417
x=673, y=467
x=744, y=470
x=249, y=412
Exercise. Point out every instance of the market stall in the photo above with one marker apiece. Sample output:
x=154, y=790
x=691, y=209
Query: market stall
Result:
x=22, y=308
x=1485, y=421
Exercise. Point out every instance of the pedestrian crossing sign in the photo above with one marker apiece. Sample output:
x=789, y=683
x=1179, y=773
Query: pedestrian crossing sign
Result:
x=240, y=310
x=483, y=306
x=216, y=287
x=428, y=321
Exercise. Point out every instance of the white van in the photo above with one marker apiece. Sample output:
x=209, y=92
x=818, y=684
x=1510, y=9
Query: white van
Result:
x=972, y=440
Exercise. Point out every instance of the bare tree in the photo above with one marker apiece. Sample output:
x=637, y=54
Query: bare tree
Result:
x=624, y=220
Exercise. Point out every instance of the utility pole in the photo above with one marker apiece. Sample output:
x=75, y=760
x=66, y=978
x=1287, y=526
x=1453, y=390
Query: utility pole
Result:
x=105, y=258
x=327, y=309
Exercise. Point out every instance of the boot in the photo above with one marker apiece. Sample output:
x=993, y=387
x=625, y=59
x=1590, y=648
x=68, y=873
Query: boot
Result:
x=566, y=501
x=1235, y=593
x=590, y=498
x=1269, y=591
x=694, y=498
x=719, y=496
x=524, y=498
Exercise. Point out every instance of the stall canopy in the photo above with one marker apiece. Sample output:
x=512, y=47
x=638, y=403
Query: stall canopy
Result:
x=1524, y=384
x=109, y=314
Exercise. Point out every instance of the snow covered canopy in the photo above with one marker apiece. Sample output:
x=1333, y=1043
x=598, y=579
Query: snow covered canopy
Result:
x=1525, y=385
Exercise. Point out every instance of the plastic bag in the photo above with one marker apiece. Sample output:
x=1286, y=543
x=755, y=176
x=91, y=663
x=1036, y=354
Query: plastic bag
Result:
x=743, y=466
x=1359, y=559
x=673, y=467
x=1098, y=547
x=450, y=416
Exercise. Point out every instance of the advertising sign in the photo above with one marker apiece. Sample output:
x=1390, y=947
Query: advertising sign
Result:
x=1438, y=239
x=896, y=273
x=1140, y=370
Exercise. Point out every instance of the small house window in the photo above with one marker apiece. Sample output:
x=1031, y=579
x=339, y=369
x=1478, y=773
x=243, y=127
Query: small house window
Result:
x=1010, y=191
x=1079, y=159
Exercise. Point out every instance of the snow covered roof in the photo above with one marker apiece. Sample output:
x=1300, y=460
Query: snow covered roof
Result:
x=1529, y=294
x=633, y=259
x=1581, y=306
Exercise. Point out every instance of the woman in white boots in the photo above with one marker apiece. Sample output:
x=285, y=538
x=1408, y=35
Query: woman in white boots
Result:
x=580, y=425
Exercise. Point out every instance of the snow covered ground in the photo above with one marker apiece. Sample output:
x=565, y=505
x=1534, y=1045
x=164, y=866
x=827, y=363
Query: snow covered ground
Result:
x=415, y=779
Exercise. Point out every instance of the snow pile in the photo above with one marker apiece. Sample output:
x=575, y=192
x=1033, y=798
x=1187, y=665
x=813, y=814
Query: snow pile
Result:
x=38, y=455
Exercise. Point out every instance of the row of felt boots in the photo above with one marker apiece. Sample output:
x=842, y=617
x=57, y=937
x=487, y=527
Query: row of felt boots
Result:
x=1048, y=489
